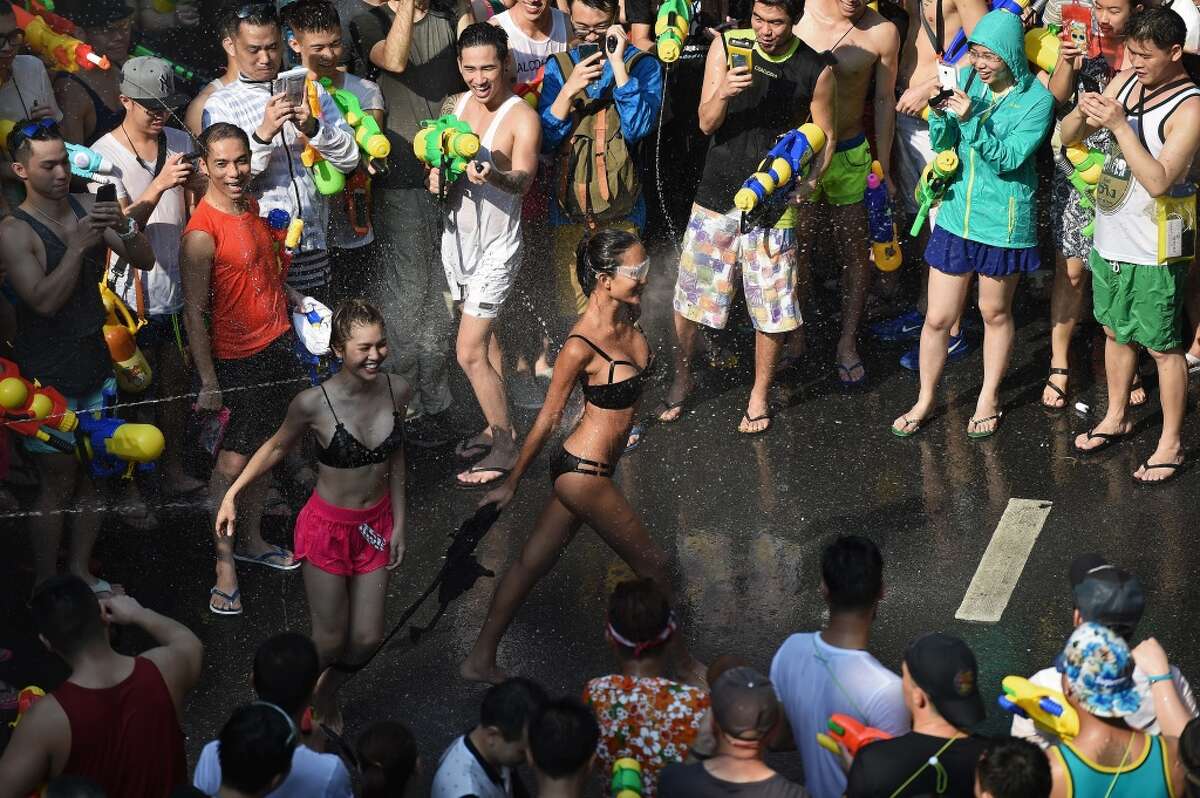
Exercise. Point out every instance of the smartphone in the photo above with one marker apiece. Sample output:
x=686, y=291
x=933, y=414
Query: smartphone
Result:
x=106, y=193
x=947, y=77
x=741, y=56
x=291, y=83
x=587, y=50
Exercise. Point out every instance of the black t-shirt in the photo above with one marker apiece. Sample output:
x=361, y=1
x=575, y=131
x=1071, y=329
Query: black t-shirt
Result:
x=777, y=101
x=883, y=766
x=694, y=781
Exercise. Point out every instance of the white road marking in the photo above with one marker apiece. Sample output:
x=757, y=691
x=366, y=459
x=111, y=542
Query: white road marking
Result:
x=1003, y=561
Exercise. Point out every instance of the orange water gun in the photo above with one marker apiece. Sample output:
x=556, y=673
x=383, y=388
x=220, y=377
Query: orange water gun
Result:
x=27, y=407
x=846, y=732
x=120, y=334
x=58, y=50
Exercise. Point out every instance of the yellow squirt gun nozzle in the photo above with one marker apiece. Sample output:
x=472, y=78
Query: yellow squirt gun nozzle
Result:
x=461, y=144
x=946, y=163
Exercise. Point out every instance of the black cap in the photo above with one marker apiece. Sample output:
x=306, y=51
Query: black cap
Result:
x=1084, y=564
x=744, y=704
x=1108, y=595
x=945, y=668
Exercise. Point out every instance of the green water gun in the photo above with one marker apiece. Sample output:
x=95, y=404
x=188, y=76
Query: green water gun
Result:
x=367, y=134
x=185, y=72
x=932, y=187
x=671, y=28
x=446, y=143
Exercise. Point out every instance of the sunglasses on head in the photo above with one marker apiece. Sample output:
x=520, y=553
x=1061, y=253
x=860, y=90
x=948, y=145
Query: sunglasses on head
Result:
x=33, y=129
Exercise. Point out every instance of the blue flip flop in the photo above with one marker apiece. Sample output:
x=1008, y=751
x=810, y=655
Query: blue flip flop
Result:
x=635, y=434
x=267, y=557
x=228, y=598
x=844, y=373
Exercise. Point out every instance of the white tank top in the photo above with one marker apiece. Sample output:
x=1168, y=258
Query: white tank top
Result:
x=531, y=54
x=1126, y=229
x=484, y=221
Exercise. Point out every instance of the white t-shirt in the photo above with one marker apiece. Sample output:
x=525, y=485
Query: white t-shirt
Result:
x=815, y=680
x=531, y=55
x=313, y=775
x=27, y=87
x=462, y=771
x=1145, y=719
x=341, y=234
x=161, y=285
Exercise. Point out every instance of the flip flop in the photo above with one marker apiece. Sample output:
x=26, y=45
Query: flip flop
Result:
x=746, y=418
x=975, y=436
x=1133, y=386
x=466, y=450
x=101, y=587
x=905, y=432
x=1062, y=393
x=844, y=373
x=1174, y=467
x=634, y=439
x=274, y=553
x=229, y=598
x=665, y=406
x=501, y=473
x=1108, y=438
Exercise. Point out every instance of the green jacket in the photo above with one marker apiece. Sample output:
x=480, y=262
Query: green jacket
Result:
x=991, y=200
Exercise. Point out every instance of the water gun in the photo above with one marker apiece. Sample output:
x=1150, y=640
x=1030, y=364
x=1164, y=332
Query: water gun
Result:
x=788, y=159
x=447, y=144
x=87, y=163
x=627, y=779
x=958, y=45
x=183, y=71
x=1047, y=708
x=367, y=134
x=120, y=331
x=932, y=186
x=25, y=699
x=328, y=180
x=58, y=50
x=1086, y=167
x=279, y=222
x=28, y=407
x=57, y=23
x=1042, y=47
x=671, y=29
x=884, y=243
x=531, y=90
x=846, y=732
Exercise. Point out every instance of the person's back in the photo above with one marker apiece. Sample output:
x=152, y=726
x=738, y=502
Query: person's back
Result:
x=1138, y=767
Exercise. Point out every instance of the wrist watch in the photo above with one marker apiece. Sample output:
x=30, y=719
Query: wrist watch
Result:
x=131, y=229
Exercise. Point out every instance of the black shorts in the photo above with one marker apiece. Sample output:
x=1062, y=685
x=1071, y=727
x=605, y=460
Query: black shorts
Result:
x=256, y=406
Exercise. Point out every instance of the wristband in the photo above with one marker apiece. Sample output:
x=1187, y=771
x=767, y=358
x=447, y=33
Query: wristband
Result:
x=1162, y=677
x=254, y=135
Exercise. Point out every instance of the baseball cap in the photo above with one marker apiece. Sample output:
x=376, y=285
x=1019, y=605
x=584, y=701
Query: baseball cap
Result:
x=151, y=81
x=1099, y=669
x=944, y=667
x=1106, y=594
x=744, y=703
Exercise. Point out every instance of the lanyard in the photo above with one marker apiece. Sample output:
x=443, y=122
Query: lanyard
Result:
x=943, y=778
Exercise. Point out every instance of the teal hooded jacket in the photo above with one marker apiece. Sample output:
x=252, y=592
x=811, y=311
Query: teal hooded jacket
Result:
x=991, y=199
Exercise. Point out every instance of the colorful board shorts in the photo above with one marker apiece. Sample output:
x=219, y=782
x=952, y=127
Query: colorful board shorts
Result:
x=716, y=253
x=845, y=181
x=1142, y=304
x=571, y=299
x=342, y=541
x=89, y=401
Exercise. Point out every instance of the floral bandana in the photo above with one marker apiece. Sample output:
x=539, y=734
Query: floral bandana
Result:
x=1099, y=670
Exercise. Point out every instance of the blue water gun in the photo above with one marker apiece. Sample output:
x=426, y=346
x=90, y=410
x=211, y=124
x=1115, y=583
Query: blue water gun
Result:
x=786, y=161
x=881, y=228
x=112, y=446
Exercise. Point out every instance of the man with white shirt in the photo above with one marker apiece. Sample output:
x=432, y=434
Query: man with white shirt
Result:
x=278, y=131
x=286, y=668
x=817, y=674
x=1112, y=597
x=152, y=179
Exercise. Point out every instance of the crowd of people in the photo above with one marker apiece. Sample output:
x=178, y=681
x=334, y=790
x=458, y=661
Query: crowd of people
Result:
x=477, y=177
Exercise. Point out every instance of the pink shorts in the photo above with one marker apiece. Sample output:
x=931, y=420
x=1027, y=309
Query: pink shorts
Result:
x=342, y=541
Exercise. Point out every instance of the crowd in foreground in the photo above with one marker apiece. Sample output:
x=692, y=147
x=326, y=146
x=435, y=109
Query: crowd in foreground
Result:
x=1124, y=726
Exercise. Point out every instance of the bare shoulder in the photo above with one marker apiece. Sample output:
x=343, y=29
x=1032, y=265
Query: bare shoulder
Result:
x=401, y=390
x=522, y=117
x=880, y=31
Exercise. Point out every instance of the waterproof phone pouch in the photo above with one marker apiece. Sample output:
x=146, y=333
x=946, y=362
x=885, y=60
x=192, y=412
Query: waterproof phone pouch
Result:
x=740, y=56
x=1176, y=220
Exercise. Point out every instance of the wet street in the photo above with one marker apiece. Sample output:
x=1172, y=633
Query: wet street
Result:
x=744, y=519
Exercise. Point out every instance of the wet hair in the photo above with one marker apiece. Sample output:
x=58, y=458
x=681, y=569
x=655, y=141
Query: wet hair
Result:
x=387, y=759
x=562, y=737
x=286, y=668
x=67, y=613
x=606, y=6
x=349, y=314
x=255, y=14
x=220, y=131
x=793, y=8
x=1014, y=768
x=852, y=569
x=639, y=611
x=19, y=144
x=483, y=34
x=255, y=746
x=73, y=786
x=1189, y=756
x=311, y=16
x=508, y=706
x=1160, y=25
x=601, y=254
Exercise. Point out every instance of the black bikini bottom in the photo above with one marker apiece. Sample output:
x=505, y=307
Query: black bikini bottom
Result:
x=567, y=463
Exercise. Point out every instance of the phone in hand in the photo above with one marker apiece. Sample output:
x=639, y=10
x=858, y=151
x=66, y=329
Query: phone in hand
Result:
x=291, y=83
x=947, y=77
x=740, y=57
x=587, y=50
x=107, y=192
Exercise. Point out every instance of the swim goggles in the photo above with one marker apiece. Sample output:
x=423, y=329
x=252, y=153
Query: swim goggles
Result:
x=637, y=272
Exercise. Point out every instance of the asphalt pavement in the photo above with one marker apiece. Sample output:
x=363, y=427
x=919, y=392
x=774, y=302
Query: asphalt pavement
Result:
x=745, y=520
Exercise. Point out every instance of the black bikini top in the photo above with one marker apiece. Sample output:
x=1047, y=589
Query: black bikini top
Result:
x=346, y=451
x=614, y=395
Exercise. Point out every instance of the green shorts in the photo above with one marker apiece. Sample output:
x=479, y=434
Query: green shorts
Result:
x=845, y=181
x=1140, y=304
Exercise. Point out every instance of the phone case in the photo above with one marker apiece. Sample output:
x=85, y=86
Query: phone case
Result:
x=1077, y=27
x=741, y=56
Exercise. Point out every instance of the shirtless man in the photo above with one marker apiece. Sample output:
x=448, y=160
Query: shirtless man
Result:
x=481, y=243
x=864, y=45
x=915, y=84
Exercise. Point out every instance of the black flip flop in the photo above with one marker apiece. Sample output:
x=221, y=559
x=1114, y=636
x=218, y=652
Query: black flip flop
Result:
x=1146, y=466
x=467, y=451
x=1108, y=438
x=1062, y=394
x=764, y=417
x=666, y=407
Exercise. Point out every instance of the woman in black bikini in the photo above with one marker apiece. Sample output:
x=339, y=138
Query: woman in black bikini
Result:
x=350, y=534
x=610, y=358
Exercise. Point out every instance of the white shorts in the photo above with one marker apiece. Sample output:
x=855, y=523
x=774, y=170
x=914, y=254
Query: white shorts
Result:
x=913, y=151
x=484, y=290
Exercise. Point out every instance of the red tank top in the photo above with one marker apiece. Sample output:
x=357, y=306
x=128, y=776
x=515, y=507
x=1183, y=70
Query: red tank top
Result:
x=126, y=738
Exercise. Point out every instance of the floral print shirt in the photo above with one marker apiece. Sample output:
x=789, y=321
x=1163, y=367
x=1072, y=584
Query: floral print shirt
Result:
x=650, y=719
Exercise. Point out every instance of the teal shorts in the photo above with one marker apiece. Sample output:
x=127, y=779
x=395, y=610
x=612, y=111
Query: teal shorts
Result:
x=845, y=181
x=1140, y=304
x=90, y=401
